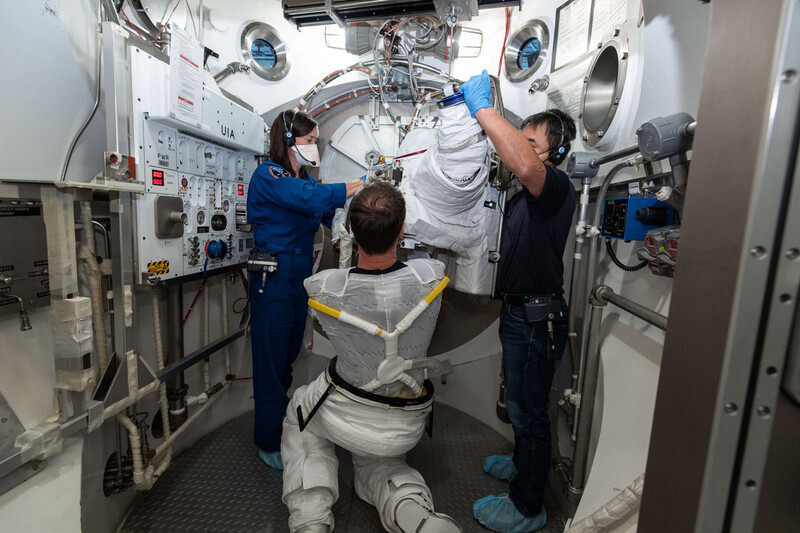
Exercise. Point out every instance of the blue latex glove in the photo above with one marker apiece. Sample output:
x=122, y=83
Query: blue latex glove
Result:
x=477, y=92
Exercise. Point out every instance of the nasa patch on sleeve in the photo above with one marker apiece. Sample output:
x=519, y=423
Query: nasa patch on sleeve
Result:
x=277, y=172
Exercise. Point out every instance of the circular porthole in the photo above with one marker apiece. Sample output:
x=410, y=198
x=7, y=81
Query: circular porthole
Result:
x=526, y=50
x=264, y=51
x=602, y=89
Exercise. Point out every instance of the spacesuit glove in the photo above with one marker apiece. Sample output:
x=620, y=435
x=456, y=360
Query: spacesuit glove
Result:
x=477, y=92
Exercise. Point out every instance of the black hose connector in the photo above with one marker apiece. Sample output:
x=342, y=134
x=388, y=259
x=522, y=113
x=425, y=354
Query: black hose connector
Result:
x=619, y=263
x=652, y=216
x=213, y=389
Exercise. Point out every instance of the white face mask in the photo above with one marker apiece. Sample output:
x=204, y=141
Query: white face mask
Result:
x=306, y=154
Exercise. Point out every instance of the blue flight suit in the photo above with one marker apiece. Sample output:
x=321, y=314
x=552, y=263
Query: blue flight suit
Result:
x=286, y=212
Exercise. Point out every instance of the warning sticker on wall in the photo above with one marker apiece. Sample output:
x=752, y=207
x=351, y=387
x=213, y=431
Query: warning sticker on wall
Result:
x=186, y=77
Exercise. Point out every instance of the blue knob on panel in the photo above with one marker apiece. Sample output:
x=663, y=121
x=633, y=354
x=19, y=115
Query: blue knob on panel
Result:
x=217, y=249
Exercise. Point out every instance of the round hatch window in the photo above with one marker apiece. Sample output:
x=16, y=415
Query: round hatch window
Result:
x=264, y=51
x=526, y=50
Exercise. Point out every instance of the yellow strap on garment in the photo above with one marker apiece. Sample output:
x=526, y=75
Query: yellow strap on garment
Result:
x=343, y=316
x=437, y=290
x=322, y=308
x=330, y=311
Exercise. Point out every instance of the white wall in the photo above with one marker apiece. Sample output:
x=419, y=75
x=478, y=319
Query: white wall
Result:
x=675, y=35
x=47, y=87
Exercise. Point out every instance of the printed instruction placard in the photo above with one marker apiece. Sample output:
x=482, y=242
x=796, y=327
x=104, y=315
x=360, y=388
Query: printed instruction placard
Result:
x=572, y=32
x=607, y=14
x=186, y=77
x=567, y=97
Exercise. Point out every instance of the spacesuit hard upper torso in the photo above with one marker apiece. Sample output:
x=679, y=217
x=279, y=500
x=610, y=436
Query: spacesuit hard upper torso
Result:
x=381, y=298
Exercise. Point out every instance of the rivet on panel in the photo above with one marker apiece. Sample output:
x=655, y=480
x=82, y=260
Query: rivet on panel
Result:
x=731, y=408
x=758, y=252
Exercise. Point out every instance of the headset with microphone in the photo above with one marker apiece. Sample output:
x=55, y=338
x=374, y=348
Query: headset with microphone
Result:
x=559, y=152
x=288, y=138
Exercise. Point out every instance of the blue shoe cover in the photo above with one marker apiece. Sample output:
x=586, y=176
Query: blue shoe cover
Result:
x=500, y=466
x=272, y=459
x=499, y=514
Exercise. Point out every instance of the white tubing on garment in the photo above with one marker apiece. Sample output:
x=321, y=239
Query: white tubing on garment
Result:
x=347, y=318
x=382, y=302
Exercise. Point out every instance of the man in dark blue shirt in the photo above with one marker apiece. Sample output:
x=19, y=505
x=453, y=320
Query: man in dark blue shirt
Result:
x=533, y=329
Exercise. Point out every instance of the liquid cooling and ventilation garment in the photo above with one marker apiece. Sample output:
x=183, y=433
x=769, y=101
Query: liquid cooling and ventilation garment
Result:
x=286, y=212
x=377, y=436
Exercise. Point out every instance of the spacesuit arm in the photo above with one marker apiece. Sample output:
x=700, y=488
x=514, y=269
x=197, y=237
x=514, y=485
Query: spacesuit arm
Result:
x=514, y=150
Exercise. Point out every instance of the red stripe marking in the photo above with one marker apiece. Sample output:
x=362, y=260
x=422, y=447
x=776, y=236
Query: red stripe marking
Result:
x=185, y=100
x=192, y=63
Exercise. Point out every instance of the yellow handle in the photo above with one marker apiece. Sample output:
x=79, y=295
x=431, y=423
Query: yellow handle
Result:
x=437, y=290
x=322, y=308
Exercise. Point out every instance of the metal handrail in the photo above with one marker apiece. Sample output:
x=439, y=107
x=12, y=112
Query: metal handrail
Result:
x=604, y=293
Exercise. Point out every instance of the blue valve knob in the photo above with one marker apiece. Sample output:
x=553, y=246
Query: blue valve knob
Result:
x=216, y=249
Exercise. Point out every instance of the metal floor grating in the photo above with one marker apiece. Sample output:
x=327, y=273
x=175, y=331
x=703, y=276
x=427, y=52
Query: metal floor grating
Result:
x=220, y=484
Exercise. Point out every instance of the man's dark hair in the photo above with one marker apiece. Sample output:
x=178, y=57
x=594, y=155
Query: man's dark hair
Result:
x=377, y=214
x=301, y=125
x=555, y=120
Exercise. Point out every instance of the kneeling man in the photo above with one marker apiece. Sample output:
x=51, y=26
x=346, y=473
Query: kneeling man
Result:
x=373, y=399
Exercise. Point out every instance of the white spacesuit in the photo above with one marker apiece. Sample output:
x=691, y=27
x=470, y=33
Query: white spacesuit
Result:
x=446, y=193
x=378, y=427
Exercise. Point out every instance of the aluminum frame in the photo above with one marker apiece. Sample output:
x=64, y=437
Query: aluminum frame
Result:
x=532, y=29
x=736, y=288
x=597, y=102
x=261, y=30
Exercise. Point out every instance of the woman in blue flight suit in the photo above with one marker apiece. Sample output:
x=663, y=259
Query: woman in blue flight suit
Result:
x=286, y=205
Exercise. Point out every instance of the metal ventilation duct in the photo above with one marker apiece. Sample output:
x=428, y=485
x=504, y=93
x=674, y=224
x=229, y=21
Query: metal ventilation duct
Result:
x=313, y=12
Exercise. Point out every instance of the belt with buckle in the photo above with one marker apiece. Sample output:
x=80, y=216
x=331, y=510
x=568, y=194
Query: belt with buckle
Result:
x=522, y=299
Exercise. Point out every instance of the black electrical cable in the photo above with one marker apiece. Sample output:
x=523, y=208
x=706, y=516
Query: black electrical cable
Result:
x=623, y=266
